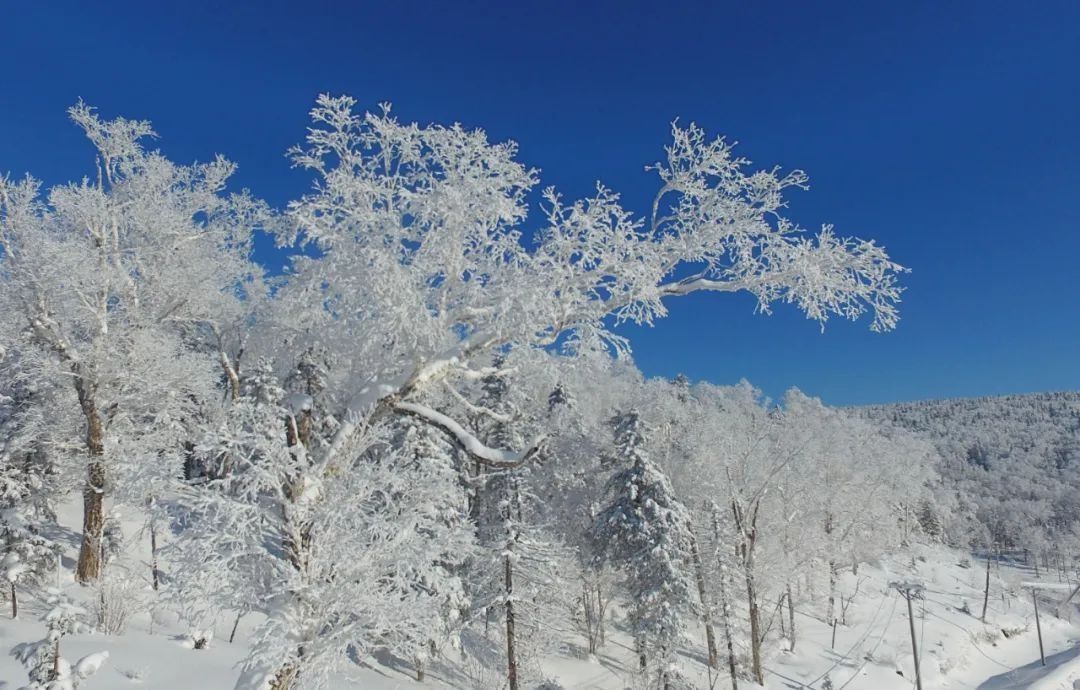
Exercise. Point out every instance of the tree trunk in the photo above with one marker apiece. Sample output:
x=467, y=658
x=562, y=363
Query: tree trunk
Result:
x=296, y=538
x=286, y=677
x=236, y=623
x=725, y=604
x=54, y=674
x=725, y=608
x=89, y=566
x=589, y=612
x=986, y=591
x=791, y=617
x=601, y=609
x=665, y=676
x=755, y=629
x=746, y=524
x=232, y=375
x=832, y=593
x=511, y=658
x=513, y=499
x=14, y=603
x=154, y=576
x=703, y=595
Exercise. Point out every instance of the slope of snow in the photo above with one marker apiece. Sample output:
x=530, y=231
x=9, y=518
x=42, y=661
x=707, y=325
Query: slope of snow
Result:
x=872, y=648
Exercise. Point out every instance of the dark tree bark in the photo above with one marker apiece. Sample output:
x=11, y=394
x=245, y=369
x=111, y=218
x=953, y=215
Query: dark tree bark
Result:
x=508, y=574
x=746, y=524
x=89, y=566
x=511, y=658
x=154, y=573
x=791, y=617
x=236, y=623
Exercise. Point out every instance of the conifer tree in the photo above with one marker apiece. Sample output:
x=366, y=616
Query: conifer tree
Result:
x=643, y=532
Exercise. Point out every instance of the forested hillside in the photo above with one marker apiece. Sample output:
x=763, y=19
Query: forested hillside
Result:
x=1010, y=468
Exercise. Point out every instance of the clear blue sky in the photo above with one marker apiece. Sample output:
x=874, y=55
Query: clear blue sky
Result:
x=947, y=130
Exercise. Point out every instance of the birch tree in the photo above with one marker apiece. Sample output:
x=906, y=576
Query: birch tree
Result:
x=425, y=268
x=104, y=275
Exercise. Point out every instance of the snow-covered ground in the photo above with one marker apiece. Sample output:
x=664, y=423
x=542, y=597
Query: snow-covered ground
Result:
x=872, y=649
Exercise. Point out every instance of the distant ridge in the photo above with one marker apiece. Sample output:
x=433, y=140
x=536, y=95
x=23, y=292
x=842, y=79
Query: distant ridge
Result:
x=1007, y=397
x=1010, y=465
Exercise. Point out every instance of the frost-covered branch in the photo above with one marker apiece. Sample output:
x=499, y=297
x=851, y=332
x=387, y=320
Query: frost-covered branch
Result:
x=493, y=457
x=477, y=409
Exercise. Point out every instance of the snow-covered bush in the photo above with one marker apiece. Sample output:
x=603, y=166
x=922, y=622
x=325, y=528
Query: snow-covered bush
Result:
x=46, y=667
x=119, y=596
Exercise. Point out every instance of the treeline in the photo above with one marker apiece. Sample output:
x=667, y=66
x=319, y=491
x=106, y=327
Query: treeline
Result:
x=1009, y=472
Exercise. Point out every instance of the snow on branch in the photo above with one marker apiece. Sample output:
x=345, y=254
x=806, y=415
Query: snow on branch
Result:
x=698, y=282
x=478, y=409
x=493, y=457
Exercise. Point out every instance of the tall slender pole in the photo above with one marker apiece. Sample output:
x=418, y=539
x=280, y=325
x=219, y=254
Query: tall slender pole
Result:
x=909, y=590
x=1038, y=626
x=914, y=644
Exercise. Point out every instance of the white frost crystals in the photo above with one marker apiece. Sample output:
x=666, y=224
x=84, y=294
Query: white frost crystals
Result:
x=322, y=454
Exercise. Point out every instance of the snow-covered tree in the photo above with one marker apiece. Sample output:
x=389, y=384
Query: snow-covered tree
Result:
x=430, y=460
x=105, y=277
x=28, y=484
x=422, y=269
x=48, y=670
x=643, y=530
x=358, y=447
x=341, y=558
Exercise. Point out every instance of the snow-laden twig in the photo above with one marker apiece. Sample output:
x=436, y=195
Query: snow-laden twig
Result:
x=493, y=457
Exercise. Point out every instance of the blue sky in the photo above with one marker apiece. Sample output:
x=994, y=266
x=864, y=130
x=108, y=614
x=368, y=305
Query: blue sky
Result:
x=947, y=131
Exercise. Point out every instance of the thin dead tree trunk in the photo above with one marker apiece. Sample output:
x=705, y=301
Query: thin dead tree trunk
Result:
x=755, y=629
x=747, y=528
x=725, y=604
x=593, y=606
x=587, y=610
x=508, y=574
x=831, y=617
x=235, y=625
x=511, y=658
x=155, y=577
x=703, y=596
x=601, y=610
x=14, y=602
x=791, y=617
x=643, y=661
